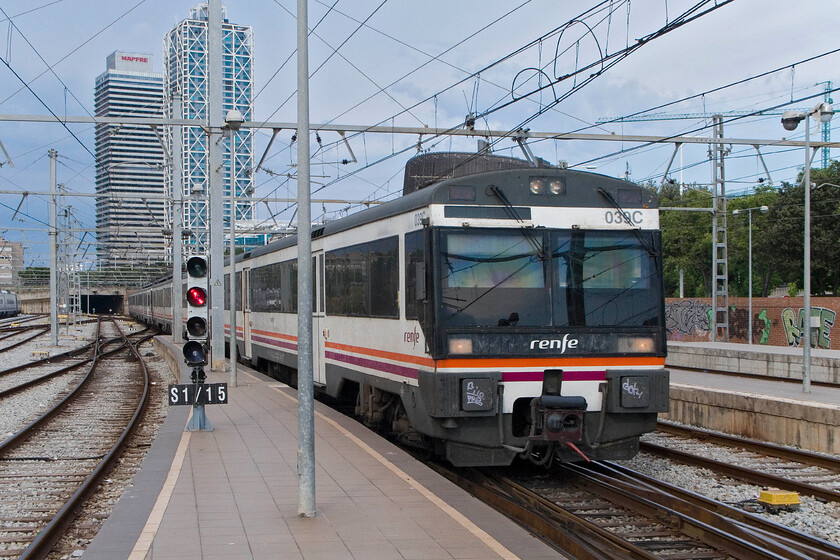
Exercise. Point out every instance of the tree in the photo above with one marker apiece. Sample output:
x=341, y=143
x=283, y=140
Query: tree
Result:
x=686, y=240
x=825, y=230
x=777, y=237
x=738, y=243
x=783, y=243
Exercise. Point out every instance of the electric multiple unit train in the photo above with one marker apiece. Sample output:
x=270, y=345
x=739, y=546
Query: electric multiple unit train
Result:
x=9, y=304
x=497, y=309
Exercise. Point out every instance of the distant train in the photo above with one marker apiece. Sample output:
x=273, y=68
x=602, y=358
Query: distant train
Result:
x=9, y=304
x=497, y=309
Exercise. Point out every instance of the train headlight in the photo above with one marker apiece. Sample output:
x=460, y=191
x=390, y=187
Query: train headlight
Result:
x=636, y=345
x=556, y=186
x=537, y=185
x=460, y=345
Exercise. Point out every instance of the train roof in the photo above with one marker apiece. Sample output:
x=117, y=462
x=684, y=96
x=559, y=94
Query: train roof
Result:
x=429, y=178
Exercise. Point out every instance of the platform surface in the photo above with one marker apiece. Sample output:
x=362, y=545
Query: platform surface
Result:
x=233, y=493
x=785, y=388
x=745, y=384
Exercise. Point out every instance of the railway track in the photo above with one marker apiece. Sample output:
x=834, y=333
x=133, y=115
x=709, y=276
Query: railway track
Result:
x=13, y=337
x=602, y=511
x=19, y=320
x=47, y=467
x=754, y=462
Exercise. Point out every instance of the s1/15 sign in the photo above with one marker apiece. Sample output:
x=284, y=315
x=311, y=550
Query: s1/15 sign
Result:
x=198, y=393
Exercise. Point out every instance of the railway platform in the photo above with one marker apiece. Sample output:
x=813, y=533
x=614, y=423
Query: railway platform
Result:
x=754, y=359
x=760, y=395
x=233, y=493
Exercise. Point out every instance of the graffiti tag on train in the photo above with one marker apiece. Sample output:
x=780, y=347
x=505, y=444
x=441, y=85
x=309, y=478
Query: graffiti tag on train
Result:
x=474, y=395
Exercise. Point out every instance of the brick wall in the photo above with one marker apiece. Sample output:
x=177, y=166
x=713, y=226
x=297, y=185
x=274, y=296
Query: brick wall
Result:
x=776, y=321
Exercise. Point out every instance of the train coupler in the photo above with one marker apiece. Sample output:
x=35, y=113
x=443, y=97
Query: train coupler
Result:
x=560, y=418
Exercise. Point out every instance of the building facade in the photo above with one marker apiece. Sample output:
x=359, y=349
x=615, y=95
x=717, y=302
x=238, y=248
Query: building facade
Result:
x=11, y=263
x=130, y=213
x=186, y=78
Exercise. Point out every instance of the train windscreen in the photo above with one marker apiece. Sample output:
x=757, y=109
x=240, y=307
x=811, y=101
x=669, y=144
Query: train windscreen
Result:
x=561, y=278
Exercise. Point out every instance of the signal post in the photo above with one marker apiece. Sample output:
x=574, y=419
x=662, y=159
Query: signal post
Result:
x=197, y=393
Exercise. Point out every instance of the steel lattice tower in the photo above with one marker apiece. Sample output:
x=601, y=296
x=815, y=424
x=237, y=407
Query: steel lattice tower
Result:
x=185, y=72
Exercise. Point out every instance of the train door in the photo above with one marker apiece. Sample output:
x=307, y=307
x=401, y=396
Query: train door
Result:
x=245, y=299
x=319, y=332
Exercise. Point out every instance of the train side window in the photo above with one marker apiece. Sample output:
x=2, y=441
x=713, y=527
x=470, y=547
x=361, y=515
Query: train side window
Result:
x=363, y=280
x=384, y=277
x=347, y=281
x=238, y=292
x=267, y=286
x=413, y=257
x=286, y=280
x=322, y=283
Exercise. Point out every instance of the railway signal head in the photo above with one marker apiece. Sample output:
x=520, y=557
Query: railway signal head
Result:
x=195, y=350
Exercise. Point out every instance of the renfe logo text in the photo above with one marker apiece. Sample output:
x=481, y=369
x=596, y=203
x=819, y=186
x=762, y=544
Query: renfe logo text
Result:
x=552, y=344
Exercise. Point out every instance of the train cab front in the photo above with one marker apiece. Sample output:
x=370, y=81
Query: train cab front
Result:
x=561, y=332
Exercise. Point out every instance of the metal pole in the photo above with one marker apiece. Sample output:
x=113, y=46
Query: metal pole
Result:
x=215, y=166
x=682, y=283
x=306, y=410
x=806, y=335
x=53, y=255
x=233, y=348
x=177, y=221
x=749, y=280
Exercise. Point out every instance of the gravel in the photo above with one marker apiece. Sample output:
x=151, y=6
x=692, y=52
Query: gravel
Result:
x=18, y=410
x=814, y=517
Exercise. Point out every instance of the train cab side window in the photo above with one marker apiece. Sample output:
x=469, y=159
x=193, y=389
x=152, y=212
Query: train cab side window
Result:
x=413, y=257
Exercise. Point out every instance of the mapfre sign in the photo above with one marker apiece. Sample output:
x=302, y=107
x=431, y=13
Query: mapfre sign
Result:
x=131, y=62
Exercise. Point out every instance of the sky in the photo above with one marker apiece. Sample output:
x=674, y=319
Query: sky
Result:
x=511, y=63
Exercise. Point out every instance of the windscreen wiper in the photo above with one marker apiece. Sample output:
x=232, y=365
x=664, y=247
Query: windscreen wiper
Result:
x=526, y=231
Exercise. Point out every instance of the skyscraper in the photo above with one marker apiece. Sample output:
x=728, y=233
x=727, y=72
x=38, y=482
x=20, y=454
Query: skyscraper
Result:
x=129, y=163
x=186, y=74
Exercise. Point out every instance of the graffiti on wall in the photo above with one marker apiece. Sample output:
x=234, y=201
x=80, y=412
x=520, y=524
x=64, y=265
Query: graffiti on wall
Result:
x=688, y=317
x=739, y=324
x=822, y=320
x=765, y=329
x=775, y=321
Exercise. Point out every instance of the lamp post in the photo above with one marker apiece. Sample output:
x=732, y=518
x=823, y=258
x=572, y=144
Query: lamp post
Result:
x=790, y=120
x=749, y=211
x=233, y=121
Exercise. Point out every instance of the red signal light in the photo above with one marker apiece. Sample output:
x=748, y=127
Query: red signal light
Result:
x=196, y=296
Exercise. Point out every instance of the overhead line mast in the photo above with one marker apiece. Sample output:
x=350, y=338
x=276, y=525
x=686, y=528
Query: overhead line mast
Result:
x=826, y=128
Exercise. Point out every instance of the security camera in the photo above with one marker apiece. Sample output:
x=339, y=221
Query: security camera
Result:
x=791, y=119
x=234, y=119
